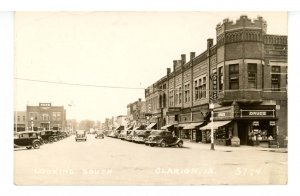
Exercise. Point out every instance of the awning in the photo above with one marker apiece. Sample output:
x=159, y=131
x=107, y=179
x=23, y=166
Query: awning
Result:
x=120, y=128
x=151, y=125
x=167, y=126
x=192, y=125
x=216, y=125
x=183, y=125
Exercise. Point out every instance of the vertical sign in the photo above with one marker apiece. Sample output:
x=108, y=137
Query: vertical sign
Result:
x=214, y=86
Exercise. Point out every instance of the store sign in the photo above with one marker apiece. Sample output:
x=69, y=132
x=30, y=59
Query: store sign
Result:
x=214, y=82
x=272, y=123
x=255, y=123
x=257, y=113
x=173, y=110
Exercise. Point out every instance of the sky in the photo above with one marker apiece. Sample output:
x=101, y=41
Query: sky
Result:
x=107, y=50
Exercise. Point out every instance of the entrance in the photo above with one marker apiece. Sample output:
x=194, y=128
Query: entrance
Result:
x=243, y=132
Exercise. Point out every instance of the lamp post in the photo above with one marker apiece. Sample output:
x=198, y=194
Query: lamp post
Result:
x=49, y=125
x=31, y=118
x=211, y=107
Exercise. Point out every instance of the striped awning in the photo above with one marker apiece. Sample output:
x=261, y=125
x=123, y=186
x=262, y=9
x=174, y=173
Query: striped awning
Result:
x=167, y=126
x=151, y=125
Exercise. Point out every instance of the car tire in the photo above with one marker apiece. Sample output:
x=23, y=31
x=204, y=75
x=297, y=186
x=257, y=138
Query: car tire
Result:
x=180, y=144
x=28, y=147
x=163, y=144
x=151, y=145
x=36, y=145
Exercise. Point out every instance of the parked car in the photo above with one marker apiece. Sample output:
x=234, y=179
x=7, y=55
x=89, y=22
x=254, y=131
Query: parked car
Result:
x=99, y=134
x=163, y=138
x=123, y=134
x=48, y=136
x=28, y=139
x=80, y=135
x=141, y=135
x=129, y=135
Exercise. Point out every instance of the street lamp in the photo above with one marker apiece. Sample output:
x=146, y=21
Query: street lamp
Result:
x=211, y=107
x=49, y=125
x=31, y=118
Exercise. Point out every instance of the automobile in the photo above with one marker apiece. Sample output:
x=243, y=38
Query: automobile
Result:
x=147, y=135
x=129, y=135
x=48, y=136
x=163, y=138
x=28, y=139
x=99, y=134
x=141, y=135
x=123, y=134
x=80, y=135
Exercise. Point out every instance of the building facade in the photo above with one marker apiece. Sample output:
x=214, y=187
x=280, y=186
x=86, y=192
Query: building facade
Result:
x=244, y=74
x=136, y=114
x=20, y=121
x=46, y=116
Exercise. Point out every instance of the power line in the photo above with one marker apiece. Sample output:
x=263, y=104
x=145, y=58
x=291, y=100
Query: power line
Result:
x=78, y=84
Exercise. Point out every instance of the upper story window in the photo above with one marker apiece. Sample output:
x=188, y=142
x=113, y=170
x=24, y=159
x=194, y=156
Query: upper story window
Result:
x=186, y=93
x=18, y=119
x=180, y=95
x=234, y=76
x=171, y=98
x=200, y=88
x=204, y=88
x=196, y=90
x=33, y=115
x=275, y=78
x=252, y=74
x=24, y=119
x=56, y=116
x=221, y=78
x=45, y=117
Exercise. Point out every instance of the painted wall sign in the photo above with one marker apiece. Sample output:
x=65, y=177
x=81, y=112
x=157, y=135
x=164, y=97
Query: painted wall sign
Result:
x=257, y=113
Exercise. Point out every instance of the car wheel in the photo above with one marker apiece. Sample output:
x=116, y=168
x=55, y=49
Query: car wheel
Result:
x=163, y=144
x=28, y=147
x=151, y=145
x=180, y=144
x=36, y=145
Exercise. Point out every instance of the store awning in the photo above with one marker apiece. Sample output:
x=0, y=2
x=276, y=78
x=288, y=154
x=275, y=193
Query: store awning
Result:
x=167, y=126
x=192, y=125
x=120, y=128
x=216, y=125
x=151, y=125
x=183, y=125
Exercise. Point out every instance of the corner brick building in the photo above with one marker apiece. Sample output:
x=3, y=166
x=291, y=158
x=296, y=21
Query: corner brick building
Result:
x=244, y=74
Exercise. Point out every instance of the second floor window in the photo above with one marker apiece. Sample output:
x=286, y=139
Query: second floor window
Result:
x=234, y=76
x=275, y=78
x=252, y=72
x=187, y=93
x=180, y=95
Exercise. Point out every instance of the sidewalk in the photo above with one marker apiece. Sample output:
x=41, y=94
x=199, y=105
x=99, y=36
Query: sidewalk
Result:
x=206, y=146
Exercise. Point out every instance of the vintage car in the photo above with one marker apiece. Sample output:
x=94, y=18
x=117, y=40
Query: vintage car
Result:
x=80, y=135
x=28, y=139
x=141, y=135
x=123, y=134
x=99, y=134
x=163, y=138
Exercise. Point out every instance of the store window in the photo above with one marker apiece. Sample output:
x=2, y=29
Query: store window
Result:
x=221, y=76
x=275, y=78
x=234, y=76
x=252, y=73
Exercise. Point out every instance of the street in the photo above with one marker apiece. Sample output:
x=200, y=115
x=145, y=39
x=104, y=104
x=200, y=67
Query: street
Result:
x=111, y=161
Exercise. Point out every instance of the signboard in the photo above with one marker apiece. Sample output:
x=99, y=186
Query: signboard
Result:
x=257, y=113
x=255, y=123
x=223, y=113
x=214, y=86
x=272, y=123
x=173, y=110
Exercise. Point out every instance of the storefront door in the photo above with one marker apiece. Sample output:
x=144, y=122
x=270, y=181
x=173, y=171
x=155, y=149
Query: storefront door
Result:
x=243, y=132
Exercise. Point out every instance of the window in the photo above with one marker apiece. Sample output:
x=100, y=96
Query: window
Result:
x=18, y=118
x=56, y=115
x=252, y=72
x=24, y=118
x=45, y=117
x=221, y=76
x=180, y=95
x=33, y=115
x=186, y=93
x=171, y=98
x=204, y=87
x=234, y=76
x=275, y=78
x=196, y=90
x=200, y=89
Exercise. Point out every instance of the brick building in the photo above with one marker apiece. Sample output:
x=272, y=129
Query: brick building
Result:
x=20, y=121
x=136, y=114
x=45, y=116
x=244, y=74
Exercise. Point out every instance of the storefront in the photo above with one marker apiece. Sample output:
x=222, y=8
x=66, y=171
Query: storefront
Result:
x=257, y=126
x=222, y=125
x=195, y=134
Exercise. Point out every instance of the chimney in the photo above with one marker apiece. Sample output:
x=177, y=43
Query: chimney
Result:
x=168, y=71
x=174, y=64
x=183, y=58
x=192, y=55
x=210, y=43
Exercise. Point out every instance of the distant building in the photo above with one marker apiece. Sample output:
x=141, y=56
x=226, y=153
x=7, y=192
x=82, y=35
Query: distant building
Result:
x=46, y=116
x=136, y=113
x=20, y=121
